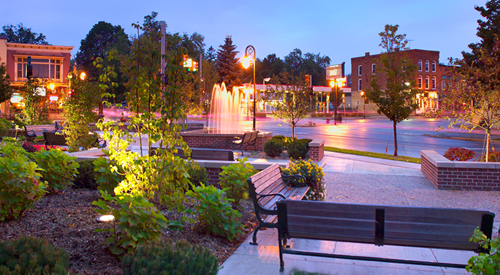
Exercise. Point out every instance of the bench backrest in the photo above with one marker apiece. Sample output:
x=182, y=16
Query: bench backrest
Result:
x=211, y=154
x=246, y=137
x=253, y=137
x=266, y=181
x=39, y=129
x=54, y=139
x=383, y=224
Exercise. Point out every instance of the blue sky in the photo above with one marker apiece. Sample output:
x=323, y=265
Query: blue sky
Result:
x=338, y=29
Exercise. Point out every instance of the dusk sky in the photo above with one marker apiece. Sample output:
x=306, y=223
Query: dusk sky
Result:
x=338, y=29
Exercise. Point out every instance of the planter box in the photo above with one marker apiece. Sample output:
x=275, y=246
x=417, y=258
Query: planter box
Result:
x=460, y=175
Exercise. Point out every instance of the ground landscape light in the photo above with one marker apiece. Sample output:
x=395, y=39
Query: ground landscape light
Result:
x=106, y=218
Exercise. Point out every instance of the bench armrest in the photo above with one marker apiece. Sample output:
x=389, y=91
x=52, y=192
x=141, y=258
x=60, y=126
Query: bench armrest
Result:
x=268, y=195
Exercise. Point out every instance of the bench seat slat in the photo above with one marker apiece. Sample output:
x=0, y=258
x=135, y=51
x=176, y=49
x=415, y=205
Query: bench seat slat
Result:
x=271, y=184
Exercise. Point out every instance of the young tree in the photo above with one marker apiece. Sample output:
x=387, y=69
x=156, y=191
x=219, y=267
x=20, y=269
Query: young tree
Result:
x=293, y=97
x=227, y=64
x=5, y=88
x=35, y=110
x=79, y=112
x=392, y=87
x=21, y=34
x=478, y=93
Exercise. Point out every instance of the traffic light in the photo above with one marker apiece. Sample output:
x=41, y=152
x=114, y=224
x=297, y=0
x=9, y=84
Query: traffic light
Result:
x=195, y=66
x=307, y=80
x=70, y=93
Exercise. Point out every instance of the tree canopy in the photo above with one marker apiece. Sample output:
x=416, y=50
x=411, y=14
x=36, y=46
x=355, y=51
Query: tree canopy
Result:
x=5, y=88
x=392, y=88
x=21, y=34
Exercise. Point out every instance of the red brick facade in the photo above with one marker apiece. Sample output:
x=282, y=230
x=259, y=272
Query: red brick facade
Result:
x=317, y=150
x=430, y=76
x=455, y=175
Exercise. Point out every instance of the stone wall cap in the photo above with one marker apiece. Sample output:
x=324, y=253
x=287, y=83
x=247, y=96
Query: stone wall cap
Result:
x=316, y=143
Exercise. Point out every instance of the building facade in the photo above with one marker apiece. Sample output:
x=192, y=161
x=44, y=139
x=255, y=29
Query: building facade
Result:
x=430, y=77
x=50, y=63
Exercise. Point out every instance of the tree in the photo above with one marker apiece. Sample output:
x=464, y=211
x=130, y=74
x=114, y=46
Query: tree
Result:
x=102, y=38
x=5, y=88
x=392, y=87
x=21, y=34
x=35, y=110
x=293, y=98
x=210, y=78
x=210, y=54
x=488, y=30
x=227, y=64
x=478, y=93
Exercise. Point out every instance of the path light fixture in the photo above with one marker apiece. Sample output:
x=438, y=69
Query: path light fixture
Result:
x=248, y=59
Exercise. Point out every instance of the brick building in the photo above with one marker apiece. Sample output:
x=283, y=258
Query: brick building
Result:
x=49, y=62
x=430, y=77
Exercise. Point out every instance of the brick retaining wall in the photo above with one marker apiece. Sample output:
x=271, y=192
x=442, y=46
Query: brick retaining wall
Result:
x=460, y=175
x=197, y=139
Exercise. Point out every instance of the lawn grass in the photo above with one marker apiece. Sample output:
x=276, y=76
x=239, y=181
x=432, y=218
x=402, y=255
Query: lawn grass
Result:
x=373, y=155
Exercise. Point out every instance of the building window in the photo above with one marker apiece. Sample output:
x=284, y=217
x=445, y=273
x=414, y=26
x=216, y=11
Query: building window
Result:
x=443, y=85
x=426, y=82
x=420, y=82
x=434, y=83
x=360, y=84
x=43, y=68
x=420, y=65
x=434, y=66
x=426, y=65
x=373, y=68
x=360, y=70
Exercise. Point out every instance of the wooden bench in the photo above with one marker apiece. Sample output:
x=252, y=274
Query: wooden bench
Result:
x=248, y=139
x=32, y=131
x=266, y=188
x=204, y=154
x=443, y=228
x=58, y=139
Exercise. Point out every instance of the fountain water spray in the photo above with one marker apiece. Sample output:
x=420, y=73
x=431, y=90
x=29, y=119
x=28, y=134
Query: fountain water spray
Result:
x=225, y=111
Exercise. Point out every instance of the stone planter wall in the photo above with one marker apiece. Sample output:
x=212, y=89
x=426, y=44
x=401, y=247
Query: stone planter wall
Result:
x=460, y=175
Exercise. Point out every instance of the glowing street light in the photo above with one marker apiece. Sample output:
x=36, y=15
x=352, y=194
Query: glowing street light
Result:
x=83, y=75
x=250, y=53
x=336, y=83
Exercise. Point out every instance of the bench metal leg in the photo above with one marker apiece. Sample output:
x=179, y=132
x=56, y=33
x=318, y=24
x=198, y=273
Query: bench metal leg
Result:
x=255, y=234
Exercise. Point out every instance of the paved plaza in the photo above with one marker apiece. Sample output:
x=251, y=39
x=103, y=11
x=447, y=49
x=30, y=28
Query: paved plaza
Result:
x=355, y=179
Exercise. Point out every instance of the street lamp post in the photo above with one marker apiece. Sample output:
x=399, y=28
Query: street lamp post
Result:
x=333, y=84
x=250, y=52
x=363, y=96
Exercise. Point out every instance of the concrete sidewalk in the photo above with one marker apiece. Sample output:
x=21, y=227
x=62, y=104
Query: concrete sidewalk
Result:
x=357, y=179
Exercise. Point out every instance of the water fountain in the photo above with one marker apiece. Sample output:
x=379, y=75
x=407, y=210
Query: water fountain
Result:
x=225, y=111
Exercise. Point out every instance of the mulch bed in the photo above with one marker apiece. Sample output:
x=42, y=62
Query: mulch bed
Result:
x=68, y=220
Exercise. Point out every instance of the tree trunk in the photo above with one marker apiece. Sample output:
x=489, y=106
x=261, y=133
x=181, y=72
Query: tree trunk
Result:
x=488, y=133
x=293, y=130
x=395, y=139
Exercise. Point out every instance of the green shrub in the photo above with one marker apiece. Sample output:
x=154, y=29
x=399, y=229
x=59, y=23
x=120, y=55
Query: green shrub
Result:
x=273, y=147
x=485, y=263
x=284, y=140
x=460, y=154
x=86, y=175
x=29, y=255
x=137, y=221
x=298, y=148
x=313, y=175
x=164, y=257
x=234, y=179
x=106, y=176
x=5, y=125
x=20, y=185
x=197, y=174
x=214, y=211
x=59, y=168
